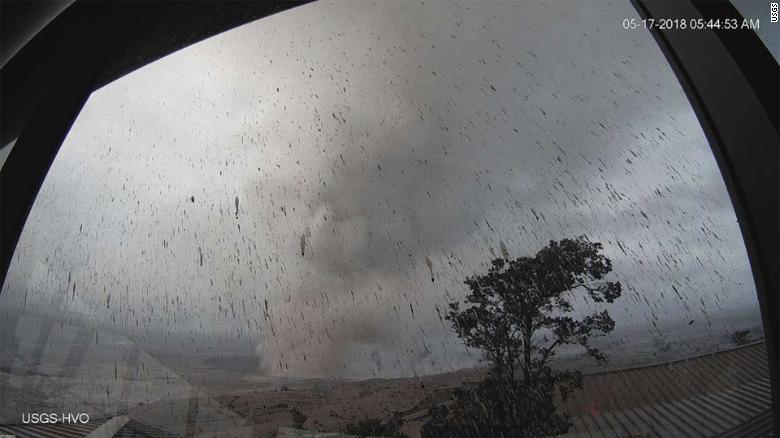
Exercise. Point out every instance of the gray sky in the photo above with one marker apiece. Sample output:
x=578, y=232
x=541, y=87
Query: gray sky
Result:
x=378, y=136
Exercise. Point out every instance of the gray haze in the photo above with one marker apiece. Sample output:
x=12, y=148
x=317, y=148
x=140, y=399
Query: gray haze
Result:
x=313, y=188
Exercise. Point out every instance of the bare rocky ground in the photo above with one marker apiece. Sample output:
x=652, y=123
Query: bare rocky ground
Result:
x=330, y=405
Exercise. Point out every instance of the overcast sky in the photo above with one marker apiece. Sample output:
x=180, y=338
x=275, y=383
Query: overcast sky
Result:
x=296, y=183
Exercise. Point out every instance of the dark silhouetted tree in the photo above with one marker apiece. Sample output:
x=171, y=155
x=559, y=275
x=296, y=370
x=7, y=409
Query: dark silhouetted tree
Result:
x=516, y=314
x=374, y=427
x=741, y=337
x=494, y=408
x=298, y=417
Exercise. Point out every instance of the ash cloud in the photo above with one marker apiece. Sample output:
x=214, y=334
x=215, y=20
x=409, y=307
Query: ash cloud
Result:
x=301, y=200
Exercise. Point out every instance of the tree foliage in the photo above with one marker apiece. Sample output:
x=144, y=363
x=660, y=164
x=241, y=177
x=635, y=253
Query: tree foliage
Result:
x=517, y=315
x=373, y=427
x=741, y=337
x=298, y=418
x=520, y=297
x=495, y=408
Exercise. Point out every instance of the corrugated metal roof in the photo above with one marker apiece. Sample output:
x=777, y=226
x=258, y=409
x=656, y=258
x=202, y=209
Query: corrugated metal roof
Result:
x=57, y=430
x=136, y=429
x=131, y=428
x=289, y=432
x=721, y=394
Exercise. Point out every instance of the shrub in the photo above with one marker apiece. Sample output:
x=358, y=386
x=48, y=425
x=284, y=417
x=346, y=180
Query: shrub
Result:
x=377, y=427
x=298, y=417
x=741, y=337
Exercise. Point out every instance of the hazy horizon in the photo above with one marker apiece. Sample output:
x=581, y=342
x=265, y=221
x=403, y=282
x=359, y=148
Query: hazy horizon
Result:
x=314, y=187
